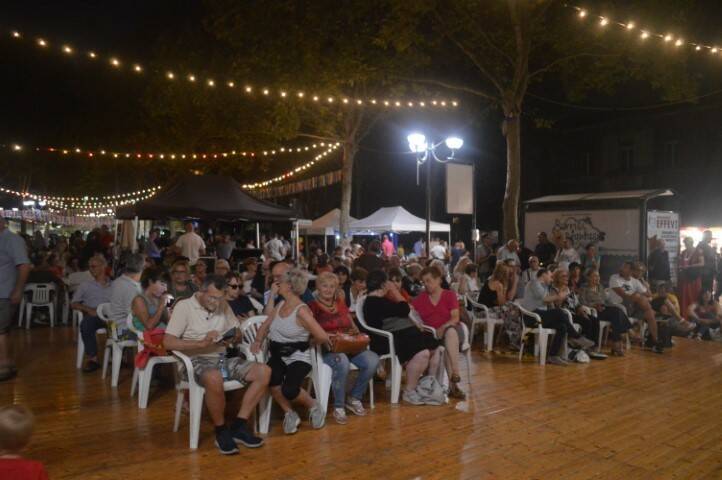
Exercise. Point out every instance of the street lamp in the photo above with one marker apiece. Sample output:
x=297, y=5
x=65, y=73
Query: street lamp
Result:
x=424, y=153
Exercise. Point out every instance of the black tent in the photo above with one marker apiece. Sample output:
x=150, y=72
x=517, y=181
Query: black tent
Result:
x=206, y=197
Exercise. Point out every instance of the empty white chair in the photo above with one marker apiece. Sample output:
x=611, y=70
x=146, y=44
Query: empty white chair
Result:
x=113, y=346
x=143, y=376
x=42, y=296
x=541, y=335
x=480, y=315
x=396, y=368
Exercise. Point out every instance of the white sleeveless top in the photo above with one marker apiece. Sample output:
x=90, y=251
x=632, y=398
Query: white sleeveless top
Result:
x=287, y=330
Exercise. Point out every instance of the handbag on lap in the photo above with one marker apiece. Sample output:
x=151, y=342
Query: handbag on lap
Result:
x=349, y=343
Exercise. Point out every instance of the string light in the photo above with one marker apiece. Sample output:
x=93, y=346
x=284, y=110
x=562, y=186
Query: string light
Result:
x=645, y=34
x=331, y=147
x=279, y=93
x=85, y=202
x=106, y=152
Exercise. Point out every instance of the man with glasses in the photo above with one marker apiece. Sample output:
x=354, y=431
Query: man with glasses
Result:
x=86, y=299
x=270, y=296
x=194, y=329
x=180, y=281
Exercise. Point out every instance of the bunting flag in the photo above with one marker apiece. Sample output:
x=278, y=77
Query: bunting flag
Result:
x=313, y=183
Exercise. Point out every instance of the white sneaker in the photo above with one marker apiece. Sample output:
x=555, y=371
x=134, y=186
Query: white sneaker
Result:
x=317, y=416
x=340, y=415
x=291, y=421
x=356, y=407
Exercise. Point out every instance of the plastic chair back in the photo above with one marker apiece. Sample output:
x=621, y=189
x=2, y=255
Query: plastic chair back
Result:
x=250, y=328
x=41, y=293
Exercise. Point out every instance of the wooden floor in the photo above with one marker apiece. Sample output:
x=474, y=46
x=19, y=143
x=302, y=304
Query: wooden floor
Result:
x=643, y=416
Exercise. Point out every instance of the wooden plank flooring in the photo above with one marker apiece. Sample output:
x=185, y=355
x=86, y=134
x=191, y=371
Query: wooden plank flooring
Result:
x=640, y=417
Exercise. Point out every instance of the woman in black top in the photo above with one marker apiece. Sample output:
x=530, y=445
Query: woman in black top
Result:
x=415, y=348
x=497, y=294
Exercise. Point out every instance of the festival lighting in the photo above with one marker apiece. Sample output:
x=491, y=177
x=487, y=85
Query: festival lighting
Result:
x=276, y=92
x=454, y=143
x=264, y=183
x=668, y=38
x=107, y=152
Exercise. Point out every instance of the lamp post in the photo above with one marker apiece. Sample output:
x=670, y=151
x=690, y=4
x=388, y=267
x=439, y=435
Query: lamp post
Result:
x=425, y=152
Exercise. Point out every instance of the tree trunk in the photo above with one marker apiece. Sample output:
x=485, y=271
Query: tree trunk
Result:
x=510, y=208
x=349, y=152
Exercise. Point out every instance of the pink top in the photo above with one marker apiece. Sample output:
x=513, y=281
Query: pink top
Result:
x=436, y=315
x=388, y=247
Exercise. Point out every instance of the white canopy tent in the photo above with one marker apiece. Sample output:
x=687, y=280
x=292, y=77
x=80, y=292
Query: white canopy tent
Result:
x=327, y=224
x=395, y=219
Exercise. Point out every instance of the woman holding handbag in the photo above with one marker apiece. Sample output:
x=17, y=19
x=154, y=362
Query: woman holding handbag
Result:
x=349, y=346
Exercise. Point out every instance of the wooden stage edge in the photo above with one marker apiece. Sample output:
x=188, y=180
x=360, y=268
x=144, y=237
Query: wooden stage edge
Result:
x=644, y=416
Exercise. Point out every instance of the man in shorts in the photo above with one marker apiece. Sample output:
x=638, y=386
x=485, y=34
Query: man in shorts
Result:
x=633, y=295
x=194, y=329
x=14, y=270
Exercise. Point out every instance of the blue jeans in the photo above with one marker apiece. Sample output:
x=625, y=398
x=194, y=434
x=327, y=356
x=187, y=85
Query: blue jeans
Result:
x=366, y=361
x=88, y=327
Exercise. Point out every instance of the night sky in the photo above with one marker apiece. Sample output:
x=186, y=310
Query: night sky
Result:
x=52, y=100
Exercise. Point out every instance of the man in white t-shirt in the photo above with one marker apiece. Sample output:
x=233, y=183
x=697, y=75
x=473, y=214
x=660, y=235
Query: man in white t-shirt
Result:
x=633, y=295
x=438, y=250
x=275, y=248
x=194, y=328
x=191, y=244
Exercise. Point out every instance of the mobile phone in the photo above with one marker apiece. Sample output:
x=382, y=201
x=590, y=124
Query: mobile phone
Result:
x=169, y=302
x=231, y=333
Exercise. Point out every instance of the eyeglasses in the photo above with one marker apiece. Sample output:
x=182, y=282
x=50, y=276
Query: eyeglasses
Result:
x=234, y=286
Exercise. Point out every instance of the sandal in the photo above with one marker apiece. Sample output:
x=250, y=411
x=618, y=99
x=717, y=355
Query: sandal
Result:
x=455, y=378
x=456, y=392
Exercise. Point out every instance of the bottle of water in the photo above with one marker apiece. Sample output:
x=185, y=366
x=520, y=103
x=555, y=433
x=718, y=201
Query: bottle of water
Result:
x=222, y=366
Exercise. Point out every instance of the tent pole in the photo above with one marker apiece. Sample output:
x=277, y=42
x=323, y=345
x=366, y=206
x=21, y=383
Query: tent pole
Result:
x=136, y=224
x=325, y=243
x=258, y=234
x=295, y=241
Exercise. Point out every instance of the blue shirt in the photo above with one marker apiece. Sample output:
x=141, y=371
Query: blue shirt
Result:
x=13, y=253
x=534, y=294
x=92, y=293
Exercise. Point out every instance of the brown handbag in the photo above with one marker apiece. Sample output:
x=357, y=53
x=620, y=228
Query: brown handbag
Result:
x=349, y=343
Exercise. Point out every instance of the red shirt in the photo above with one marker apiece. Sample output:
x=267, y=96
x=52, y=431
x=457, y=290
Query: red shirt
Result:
x=436, y=315
x=22, y=469
x=331, y=321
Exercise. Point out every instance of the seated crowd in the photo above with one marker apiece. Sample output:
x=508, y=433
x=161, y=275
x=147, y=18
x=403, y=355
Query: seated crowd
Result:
x=426, y=304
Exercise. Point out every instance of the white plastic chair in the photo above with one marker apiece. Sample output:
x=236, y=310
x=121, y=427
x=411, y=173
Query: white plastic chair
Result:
x=113, y=346
x=541, y=335
x=396, y=368
x=634, y=321
x=249, y=331
x=78, y=317
x=257, y=306
x=465, y=347
x=195, y=398
x=42, y=296
x=480, y=315
x=142, y=377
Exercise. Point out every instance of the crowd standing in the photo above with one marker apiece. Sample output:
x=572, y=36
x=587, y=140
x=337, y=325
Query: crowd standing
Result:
x=196, y=293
